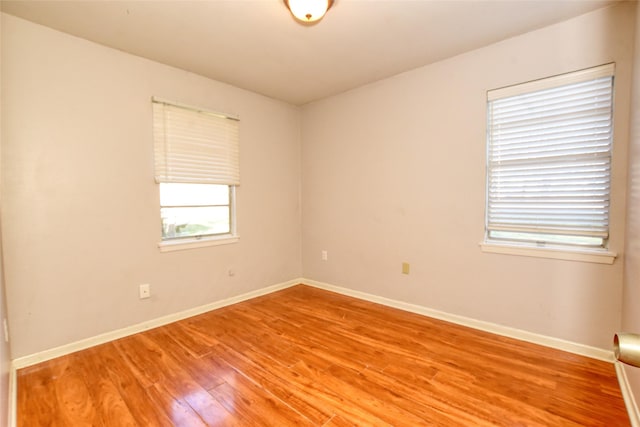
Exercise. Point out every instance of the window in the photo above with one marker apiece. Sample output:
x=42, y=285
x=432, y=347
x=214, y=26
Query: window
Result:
x=195, y=210
x=549, y=148
x=197, y=169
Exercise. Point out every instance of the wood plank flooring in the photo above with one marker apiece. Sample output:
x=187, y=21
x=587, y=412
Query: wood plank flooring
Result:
x=308, y=357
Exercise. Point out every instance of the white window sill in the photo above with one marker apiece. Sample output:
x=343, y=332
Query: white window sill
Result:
x=583, y=255
x=183, y=244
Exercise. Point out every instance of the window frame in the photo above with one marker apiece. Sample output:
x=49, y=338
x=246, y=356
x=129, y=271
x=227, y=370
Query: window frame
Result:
x=535, y=248
x=228, y=204
x=184, y=243
x=227, y=158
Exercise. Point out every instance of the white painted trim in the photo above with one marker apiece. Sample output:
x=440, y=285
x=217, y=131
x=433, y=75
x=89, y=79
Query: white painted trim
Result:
x=33, y=359
x=581, y=349
x=13, y=397
x=606, y=70
x=627, y=395
x=557, y=343
x=594, y=256
x=183, y=244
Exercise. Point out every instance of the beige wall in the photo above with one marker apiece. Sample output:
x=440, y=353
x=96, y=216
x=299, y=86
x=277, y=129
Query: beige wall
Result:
x=5, y=357
x=394, y=172
x=631, y=294
x=81, y=209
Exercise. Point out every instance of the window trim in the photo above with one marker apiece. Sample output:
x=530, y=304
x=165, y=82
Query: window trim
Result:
x=598, y=256
x=192, y=243
x=547, y=250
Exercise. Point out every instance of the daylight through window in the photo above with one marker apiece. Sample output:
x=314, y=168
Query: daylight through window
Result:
x=549, y=148
x=197, y=169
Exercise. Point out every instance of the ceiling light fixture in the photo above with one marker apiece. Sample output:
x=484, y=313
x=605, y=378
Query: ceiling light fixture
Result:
x=308, y=11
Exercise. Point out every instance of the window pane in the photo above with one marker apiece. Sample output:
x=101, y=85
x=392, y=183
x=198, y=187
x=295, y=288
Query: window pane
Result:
x=172, y=194
x=194, y=221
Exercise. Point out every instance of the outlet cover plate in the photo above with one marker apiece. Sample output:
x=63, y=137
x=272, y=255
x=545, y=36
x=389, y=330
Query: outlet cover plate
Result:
x=145, y=291
x=406, y=267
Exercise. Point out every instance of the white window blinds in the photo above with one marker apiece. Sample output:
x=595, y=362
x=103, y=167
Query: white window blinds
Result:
x=194, y=146
x=549, y=159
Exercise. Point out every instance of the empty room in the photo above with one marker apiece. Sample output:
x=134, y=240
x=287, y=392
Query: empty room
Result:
x=320, y=213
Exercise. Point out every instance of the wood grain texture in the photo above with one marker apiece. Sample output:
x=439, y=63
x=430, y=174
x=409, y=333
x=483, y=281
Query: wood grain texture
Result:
x=309, y=357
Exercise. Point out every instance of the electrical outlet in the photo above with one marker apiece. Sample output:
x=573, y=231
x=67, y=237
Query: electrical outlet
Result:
x=405, y=268
x=145, y=291
x=6, y=330
x=325, y=255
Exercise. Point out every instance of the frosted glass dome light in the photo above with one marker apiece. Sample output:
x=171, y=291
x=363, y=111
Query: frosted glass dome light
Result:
x=308, y=11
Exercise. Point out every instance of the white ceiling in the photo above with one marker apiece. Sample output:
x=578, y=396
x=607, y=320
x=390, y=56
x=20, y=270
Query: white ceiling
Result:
x=257, y=45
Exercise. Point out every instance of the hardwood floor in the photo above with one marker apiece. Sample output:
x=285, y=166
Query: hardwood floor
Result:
x=304, y=356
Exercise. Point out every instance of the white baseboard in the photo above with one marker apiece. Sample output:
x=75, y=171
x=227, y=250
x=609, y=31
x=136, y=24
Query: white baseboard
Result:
x=627, y=395
x=593, y=352
x=63, y=350
x=557, y=343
